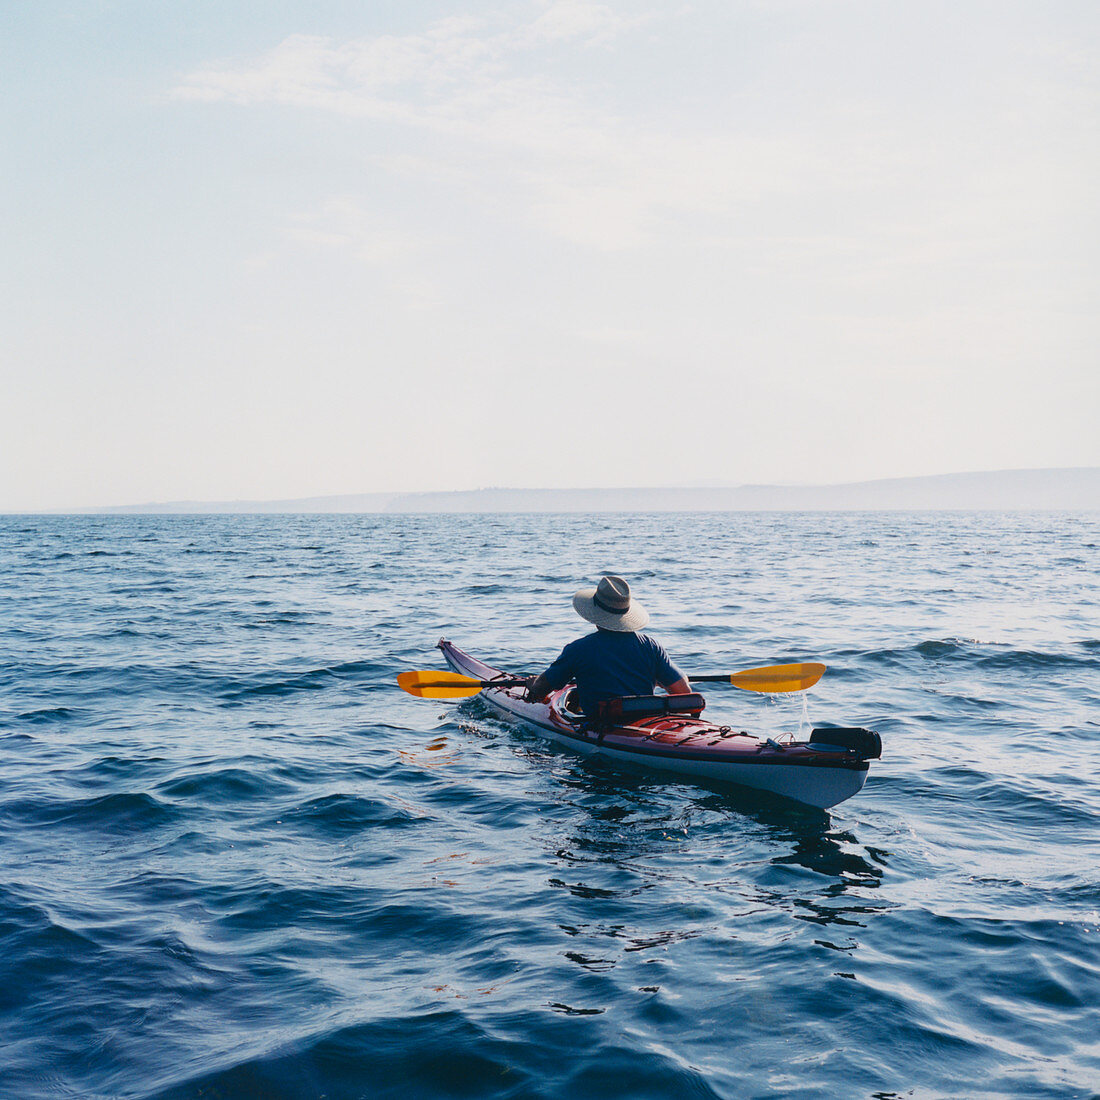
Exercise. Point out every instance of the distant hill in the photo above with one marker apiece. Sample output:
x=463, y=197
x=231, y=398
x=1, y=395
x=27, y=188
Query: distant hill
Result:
x=357, y=502
x=1073, y=489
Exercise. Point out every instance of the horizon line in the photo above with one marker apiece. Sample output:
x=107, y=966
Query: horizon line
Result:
x=397, y=494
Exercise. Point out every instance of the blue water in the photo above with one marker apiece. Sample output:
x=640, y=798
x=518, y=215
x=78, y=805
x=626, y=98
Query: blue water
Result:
x=238, y=862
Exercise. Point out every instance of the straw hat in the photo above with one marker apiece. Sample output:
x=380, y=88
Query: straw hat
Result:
x=609, y=606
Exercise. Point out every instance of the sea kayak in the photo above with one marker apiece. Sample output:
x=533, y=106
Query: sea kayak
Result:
x=823, y=771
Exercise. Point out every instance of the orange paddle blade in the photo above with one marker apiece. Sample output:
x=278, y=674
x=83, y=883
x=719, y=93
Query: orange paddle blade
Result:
x=779, y=678
x=437, y=685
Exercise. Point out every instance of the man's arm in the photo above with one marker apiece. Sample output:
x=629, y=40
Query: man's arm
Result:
x=556, y=676
x=671, y=678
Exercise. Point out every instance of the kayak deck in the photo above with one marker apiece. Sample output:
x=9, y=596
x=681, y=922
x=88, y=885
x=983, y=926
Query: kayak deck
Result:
x=815, y=774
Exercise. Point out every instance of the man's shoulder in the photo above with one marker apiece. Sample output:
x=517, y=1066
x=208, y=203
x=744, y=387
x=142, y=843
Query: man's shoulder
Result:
x=578, y=645
x=598, y=639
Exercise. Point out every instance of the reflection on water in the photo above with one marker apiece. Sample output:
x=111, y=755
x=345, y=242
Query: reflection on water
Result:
x=832, y=854
x=625, y=847
x=437, y=753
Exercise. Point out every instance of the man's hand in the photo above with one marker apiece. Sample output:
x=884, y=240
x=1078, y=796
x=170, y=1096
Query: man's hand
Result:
x=536, y=690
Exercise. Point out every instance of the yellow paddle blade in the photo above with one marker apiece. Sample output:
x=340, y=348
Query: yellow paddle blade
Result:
x=437, y=685
x=778, y=678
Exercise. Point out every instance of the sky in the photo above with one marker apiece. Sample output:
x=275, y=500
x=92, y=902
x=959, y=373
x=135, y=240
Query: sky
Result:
x=260, y=249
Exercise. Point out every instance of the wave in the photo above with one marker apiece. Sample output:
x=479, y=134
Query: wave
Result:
x=316, y=679
x=340, y=815
x=444, y=1054
x=307, y=681
x=989, y=655
x=49, y=714
x=223, y=785
x=131, y=812
x=1025, y=805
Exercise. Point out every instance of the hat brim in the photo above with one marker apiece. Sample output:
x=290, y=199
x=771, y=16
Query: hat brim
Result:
x=634, y=618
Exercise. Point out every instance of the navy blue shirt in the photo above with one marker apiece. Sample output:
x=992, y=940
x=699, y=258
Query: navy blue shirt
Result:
x=610, y=664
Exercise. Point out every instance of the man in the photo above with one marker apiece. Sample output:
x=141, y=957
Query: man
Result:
x=616, y=660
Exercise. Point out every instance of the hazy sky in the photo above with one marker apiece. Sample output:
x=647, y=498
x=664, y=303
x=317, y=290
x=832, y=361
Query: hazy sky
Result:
x=275, y=248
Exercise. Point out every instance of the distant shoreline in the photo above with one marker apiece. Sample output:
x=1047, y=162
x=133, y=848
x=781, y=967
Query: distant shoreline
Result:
x=1065, y=489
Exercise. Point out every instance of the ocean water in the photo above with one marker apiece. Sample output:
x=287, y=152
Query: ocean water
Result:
x=237, y=861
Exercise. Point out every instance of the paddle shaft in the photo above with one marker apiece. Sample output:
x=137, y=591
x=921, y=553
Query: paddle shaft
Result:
x=774, y=679
x=717, y=679
x=470, y=682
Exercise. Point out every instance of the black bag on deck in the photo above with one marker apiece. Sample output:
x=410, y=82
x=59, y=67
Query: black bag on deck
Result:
x=866, y=743
x=630, y=708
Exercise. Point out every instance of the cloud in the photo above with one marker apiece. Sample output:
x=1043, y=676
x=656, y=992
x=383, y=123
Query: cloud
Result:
x=518, y=105
x=591, y=176
x=566, y=20
x=347, y=225
x=455, y=69
x=343, y=222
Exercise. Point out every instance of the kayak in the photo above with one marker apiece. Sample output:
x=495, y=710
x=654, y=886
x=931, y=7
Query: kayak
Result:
x=822, y=772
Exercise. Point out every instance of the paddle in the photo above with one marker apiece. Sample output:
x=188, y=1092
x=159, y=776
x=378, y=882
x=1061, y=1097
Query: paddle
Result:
x=772, y=679
x=447, y=685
